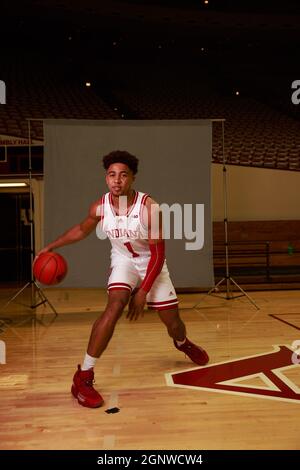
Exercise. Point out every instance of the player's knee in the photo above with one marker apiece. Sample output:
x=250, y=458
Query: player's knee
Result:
x=111, y=315
x=116, y=306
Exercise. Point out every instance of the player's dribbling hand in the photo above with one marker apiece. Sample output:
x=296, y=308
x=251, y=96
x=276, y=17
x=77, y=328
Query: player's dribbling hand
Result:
x=136, y=305
x=44, y=250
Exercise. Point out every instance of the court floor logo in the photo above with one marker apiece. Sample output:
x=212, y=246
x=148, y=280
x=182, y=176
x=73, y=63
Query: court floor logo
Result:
x=2, y=92
x=2, y=352
x=231, y=377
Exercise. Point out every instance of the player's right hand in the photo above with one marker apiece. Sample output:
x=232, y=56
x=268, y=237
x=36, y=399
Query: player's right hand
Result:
x=44, y=250
x=136, y=305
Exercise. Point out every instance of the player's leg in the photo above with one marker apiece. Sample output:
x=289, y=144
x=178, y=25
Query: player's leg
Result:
x=162, y=297
x=121, y=282
x=101, y=333
x=177, y=330
x=175, y=326
x=104, y=326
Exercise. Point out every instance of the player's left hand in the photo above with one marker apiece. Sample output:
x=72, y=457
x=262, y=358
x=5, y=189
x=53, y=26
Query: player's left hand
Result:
x=136, y=305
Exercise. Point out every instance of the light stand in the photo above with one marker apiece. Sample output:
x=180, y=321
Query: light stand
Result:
x=34, y=287
x=227, y=278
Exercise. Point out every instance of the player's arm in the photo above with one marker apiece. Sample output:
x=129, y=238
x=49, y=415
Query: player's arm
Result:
x=80, y=231
x=152, y=218
x=156, y=243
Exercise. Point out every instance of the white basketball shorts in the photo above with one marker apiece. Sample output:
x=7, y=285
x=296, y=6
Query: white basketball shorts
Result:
x=127, y=275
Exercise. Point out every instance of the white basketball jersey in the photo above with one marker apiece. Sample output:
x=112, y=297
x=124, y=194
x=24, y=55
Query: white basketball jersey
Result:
x=127, y=233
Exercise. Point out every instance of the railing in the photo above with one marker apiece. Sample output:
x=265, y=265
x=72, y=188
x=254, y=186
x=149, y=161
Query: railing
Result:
x=278, y=255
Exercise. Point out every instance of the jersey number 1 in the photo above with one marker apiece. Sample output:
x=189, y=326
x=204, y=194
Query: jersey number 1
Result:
x=131, y=250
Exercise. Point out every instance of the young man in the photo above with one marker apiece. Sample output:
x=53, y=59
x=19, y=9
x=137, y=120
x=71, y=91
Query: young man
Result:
x=139, y=273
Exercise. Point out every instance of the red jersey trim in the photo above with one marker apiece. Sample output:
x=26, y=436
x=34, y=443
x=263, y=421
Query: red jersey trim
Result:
x=164, y=307
x=119, y=285
x=119, y=288
x=142, y=207
x=102, y=212
x=163, y=303
x=130, y=208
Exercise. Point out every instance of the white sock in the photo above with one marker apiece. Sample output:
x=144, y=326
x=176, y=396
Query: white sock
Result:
x=89, y=362
x=180, y=343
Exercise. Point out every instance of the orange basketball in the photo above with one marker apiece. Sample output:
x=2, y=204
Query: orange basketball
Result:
x=50, y=268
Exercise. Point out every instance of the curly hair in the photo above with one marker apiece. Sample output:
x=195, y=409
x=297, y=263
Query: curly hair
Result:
x=121, y=156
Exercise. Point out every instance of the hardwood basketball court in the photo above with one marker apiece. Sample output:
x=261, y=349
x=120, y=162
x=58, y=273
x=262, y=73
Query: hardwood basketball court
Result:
x=42, y=352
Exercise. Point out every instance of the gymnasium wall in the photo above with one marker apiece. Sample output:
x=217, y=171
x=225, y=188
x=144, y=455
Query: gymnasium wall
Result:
x=256, y=193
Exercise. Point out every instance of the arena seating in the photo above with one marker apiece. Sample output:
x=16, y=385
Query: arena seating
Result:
x=255, y=134
x=40, y=94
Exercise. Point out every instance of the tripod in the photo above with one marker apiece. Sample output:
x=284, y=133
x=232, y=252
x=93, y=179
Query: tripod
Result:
x=34, y=287
x=227, y=278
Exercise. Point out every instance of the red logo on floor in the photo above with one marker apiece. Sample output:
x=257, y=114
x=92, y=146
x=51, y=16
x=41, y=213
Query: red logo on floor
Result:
x=228, y=377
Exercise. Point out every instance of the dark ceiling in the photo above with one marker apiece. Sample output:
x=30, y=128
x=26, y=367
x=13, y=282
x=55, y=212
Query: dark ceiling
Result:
x=222, y=19
x=245, y=42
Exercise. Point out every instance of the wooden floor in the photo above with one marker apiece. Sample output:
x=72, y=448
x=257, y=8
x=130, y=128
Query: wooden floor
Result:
x=37, y=410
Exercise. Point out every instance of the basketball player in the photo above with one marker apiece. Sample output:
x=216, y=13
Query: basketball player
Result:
x=139, y=273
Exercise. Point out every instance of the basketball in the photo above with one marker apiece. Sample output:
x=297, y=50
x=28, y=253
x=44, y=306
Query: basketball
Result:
x=50, y=268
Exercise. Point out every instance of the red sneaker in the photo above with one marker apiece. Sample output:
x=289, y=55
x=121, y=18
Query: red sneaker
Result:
x=83, y=389
x=195, y=353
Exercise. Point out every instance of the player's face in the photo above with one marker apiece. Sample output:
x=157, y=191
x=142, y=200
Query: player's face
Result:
x=119, y=179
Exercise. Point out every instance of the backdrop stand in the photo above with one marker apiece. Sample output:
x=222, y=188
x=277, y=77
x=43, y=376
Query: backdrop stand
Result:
x=227, y=279
x=34, y=287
